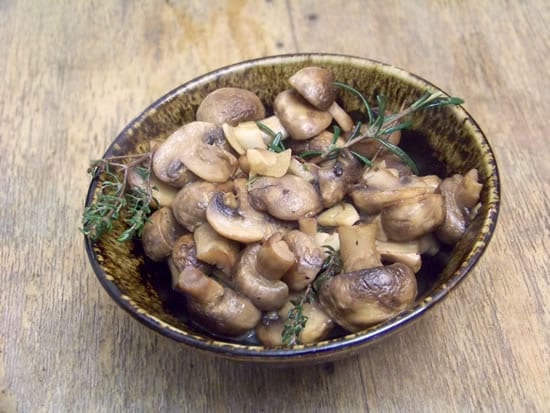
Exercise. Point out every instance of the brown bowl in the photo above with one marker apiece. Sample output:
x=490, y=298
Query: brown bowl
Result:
x=444, y=140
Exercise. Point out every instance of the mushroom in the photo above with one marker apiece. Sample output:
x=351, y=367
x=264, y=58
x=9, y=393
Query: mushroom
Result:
x=298, y=117
x=199, y=147
x=230, y=105
x=305, y=170
x=358, y=299
x=309, y=260
x=232, y=216
x=288, y=198
x=248, y=135
x=159, y=234
x=191, y=201
x=370, y=147
x=214, y=249
x=184, y=254
x=340, y=214
x=460, y=193
x=358, y=247
x=335, y=177
x=408, y=253
x=320, y=142
x=270, y=329
x=316, y=85
x=411, y=218
x=260, y=284
x=218, y=308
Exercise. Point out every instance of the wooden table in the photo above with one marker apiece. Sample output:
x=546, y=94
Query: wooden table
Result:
x=73, y=73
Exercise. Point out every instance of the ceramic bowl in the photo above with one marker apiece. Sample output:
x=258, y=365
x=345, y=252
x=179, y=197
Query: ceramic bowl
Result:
x=444, y=140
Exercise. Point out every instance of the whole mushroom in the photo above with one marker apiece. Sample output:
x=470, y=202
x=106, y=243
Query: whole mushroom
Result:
x=230, y=105
x=160, y=233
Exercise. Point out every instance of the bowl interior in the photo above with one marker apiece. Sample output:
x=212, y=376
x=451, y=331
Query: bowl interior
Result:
x=443, y=141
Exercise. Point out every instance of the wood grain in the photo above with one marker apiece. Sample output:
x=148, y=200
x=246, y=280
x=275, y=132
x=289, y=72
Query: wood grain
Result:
x=72, y=74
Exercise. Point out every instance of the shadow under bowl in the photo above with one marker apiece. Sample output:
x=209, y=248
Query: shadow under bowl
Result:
x=443, y=141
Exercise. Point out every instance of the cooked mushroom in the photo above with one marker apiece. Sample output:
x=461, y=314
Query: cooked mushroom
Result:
x=460, y=193
x=275, y=257
x=230, y=105
x=305, y=170
x=309, y=260
x=159, y=234
x=218, y=308
x=214, y=249
x=320, y=142
x=412, y=218
x=288, y=198
x=358, y=247
x=232, y=216
x=299, y=118
x=199, y=147
x=358, y=299
x=341, y=117
x=244, y=136
x=370, y=147
x=184, y=254
x=407, y=253
x=191, y=201
x=335, y=177
x=316, y=85
x=338, y=215
x=267, y=291
x=270, y=329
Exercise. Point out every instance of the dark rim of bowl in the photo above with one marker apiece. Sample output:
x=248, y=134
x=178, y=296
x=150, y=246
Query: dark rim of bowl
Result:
x=334, y=346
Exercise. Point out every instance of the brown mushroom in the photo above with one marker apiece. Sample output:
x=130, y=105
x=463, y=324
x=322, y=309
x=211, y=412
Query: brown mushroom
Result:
x=298, y=117
x=358, y=247
x=191, y=201
x=218, y=308
x=309, y=260
x=230, y=105
x=232, y=216
x=261, y=286
x=316, y=85
x=358, y=299
x=214, y=249
x=288, y=198
x=199, y=147
x=412, y=218
x=320, y=142
x=370, y=147
x=159, y=234
x=460, y=193
x=336, y=176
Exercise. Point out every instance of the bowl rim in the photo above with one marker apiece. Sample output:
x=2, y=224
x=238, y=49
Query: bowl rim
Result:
x=328, y=348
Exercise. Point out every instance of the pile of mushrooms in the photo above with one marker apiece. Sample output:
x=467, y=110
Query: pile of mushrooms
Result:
x=244, y=228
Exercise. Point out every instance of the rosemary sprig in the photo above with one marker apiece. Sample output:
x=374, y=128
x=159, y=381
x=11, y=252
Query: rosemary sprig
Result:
x=117, y=199
x=296, y=319
x=276, y=145
x=380, y=124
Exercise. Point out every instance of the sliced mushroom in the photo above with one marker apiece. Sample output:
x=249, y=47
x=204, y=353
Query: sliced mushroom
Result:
x=309, y=260
x=460, y=193
x=232, y=216
x=412, y=218
x=190, y=204
x=218, y=308
x=270, y=329
x=266, y=292
x=288, y=198
x=358, y=247
x=230, y=105
x=299, y=118
x=315, y=84
x=335, y=177
x=274, y=258
x=199, y=147
x=214, y=249
x=358, y=299
x=407, y=253
x=159, y=234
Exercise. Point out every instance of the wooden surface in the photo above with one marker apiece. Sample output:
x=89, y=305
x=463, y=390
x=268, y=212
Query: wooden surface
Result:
x=73, y=73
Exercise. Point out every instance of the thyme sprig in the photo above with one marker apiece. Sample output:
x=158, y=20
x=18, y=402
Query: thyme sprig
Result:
x=117, y=198
x=380, y=125
x=296, y=319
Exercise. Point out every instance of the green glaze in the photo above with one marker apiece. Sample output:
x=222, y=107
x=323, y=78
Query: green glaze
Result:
x=451, y=134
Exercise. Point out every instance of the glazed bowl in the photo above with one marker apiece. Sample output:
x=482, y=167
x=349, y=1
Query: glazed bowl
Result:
x=445, y=140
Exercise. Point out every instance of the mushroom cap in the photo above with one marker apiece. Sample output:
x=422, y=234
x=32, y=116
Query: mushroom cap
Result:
x=191, y=201
x=230, y=105
x=411, y=218
x=315, y=84
x=232, y=216
x=358, y=299
x=309, y=260
x=198, y=147
x=288, y=198
x=299, y=118
x=266, y=294
x=160, y=233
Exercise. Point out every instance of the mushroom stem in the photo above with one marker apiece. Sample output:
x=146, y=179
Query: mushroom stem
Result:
x=341, y=117
x=358, y=247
